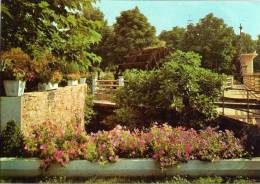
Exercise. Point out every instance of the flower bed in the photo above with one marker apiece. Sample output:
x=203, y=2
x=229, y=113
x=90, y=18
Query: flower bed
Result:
x=163, y=143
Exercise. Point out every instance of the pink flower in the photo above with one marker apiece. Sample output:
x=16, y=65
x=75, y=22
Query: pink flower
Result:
x=187, y=151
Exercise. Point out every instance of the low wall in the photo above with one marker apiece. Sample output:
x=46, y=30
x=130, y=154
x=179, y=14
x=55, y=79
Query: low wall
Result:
x=60, y=106
x=15, y=167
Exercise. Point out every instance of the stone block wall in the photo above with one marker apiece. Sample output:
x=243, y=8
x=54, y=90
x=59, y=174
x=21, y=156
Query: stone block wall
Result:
x=61, y=106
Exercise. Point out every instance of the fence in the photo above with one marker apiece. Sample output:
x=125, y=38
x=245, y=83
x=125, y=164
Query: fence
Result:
x=104, y=89
x=252, y=81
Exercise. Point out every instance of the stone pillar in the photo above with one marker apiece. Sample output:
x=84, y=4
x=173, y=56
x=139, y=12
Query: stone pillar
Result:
x=247, y=63
x=121, y=81
x=94, y=84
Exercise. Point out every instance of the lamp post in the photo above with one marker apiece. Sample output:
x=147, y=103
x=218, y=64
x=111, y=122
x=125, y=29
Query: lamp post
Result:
x=239, y=53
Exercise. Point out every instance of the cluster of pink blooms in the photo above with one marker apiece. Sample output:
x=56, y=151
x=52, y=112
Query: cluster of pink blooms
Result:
x=164, y=143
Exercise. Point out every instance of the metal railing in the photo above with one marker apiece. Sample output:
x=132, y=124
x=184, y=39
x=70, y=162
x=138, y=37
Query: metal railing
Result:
x=251, y=99
x=252, y=81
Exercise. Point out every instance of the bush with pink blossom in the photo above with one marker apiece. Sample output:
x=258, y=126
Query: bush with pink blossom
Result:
x=55, y=144
x=163, y=143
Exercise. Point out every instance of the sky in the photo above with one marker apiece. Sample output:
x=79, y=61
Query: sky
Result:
x=166, y=14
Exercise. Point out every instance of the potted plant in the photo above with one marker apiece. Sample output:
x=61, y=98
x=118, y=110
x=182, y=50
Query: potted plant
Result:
x=83, y=77
x=51, y=81
x=16, y=71
x=73, y=79
x=73, y=74
x=48, y=72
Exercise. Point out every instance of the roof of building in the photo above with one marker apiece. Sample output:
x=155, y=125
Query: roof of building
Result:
x=146, y=58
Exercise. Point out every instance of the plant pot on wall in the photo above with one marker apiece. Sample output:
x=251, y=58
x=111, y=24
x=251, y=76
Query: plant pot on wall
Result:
x=15, y=70
x=73, y=79
x=73, y=82
x=82, y=80
x=47, y=86
x=14, y=88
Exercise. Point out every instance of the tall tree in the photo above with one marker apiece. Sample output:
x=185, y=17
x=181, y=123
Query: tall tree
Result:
x=213, y=40
x=132, y=32
x=245, y=43
x=173, y=38
x=66, y=28
x=105, y=47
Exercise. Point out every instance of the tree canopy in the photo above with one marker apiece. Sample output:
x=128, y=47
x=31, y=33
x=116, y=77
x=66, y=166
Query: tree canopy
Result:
x=173, y=38
x=66, y=28
x=132, y=32
x=213, y=40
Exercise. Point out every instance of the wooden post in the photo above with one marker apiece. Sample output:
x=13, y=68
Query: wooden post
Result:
x=94, y=84
x=121, y=81
x=232, y=81
x=223, y=106
x=247, y=96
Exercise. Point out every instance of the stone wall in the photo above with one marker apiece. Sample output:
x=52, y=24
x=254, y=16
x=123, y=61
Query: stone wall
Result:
x=60, y=106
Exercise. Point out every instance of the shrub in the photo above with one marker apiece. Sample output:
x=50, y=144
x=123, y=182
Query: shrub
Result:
x=89, y=112
x=47, y=67
x=16, y=65
x=120, y=142
x=172, y=145
x=12, y=141
x=179, y=91
x=73, y=76
x=55, y=77
x=55, y=144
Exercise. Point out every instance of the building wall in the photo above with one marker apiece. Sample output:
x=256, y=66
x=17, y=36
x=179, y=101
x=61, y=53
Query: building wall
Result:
x=61, y=106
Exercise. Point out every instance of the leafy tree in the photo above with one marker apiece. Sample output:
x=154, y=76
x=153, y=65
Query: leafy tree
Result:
x=180, y=91
x=213, y=40
x=243, y=44
x=173, y=38
x=105, y=47
x=66, y=28
x=247, y=44
x=132, y=32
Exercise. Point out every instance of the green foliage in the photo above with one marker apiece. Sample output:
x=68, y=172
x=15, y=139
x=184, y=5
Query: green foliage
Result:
x=105, y=47
x=12, y=141
x=66, y=28
x=173, y=38
x=54, y=179
x=247, y=44
x=16, y=65
x=132, y=32
x=206, y=180
x=179, y=91
x=47, y=68
x=89, y=112
x=167, y=145
x=71, y=67
x=56, y=144
x=213, y=40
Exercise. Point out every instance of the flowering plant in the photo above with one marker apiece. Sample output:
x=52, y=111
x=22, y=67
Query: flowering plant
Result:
x=16, y=65
x=120, y=142
x=73, y=76
x=56, y=144
x=47, y=68
x=168, y=145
